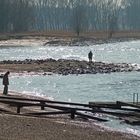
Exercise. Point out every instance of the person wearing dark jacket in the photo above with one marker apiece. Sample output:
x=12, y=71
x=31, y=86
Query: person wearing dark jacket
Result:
x=90, y=54
x=6, y=83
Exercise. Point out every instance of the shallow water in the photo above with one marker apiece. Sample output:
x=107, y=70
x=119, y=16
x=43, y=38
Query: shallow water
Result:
x=81, y=88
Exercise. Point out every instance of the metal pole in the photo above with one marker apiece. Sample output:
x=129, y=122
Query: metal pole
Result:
x=133, y=98
x=137, y=98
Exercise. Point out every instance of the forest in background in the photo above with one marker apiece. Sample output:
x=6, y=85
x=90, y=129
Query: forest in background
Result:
x=69, y=15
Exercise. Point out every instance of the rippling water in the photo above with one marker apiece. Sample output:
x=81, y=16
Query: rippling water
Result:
x=81, y=88
x=115, y=52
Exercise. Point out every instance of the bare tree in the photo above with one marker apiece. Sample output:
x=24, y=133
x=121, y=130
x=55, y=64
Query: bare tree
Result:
x=132, y=14
x=69, y=15
x=79, y=19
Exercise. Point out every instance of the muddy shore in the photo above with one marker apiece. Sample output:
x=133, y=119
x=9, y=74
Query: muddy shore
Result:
x=20, y=127
x=61, y=38
x=15, y=127
x=30, y=128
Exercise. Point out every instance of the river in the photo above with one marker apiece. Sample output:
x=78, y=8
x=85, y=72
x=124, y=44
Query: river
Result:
x=80, y=88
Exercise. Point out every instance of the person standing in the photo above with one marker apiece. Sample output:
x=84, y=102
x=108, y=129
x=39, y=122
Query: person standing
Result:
x=90, y=55
x=6, y=83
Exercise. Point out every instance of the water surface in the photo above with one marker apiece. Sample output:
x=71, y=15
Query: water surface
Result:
x=128, y=52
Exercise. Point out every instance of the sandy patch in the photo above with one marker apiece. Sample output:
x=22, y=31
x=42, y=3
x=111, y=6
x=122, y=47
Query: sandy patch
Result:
x=22, y=42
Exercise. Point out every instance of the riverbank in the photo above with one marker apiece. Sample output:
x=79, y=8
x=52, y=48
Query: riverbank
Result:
x=62, y=38
x=15, y=127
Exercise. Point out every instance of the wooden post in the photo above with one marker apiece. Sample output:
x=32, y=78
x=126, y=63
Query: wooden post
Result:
x=42, y=105
x=72, y=113
x=18, y=108
x=119, y=105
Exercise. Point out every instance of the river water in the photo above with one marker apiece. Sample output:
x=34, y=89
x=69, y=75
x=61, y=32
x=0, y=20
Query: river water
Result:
x=80, y=88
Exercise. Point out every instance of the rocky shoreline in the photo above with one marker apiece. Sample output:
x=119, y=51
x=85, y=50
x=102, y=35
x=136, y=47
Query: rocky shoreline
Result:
x=65, y=67
x=83, y=41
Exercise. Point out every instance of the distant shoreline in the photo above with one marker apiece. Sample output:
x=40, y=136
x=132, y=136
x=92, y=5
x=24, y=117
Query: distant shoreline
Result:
x=61, y=38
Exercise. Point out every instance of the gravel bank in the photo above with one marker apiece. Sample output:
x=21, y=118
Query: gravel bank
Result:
x=20, y=127
x=64, y=67
x=15, y=127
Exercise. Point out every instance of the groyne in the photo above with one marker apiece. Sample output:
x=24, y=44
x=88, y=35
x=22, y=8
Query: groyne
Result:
x=65, y=67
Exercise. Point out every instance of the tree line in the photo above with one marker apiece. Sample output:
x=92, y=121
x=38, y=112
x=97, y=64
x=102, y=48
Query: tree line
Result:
x=69, y=15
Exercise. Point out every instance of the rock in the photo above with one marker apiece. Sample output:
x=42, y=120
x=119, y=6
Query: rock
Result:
x=65, y=67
